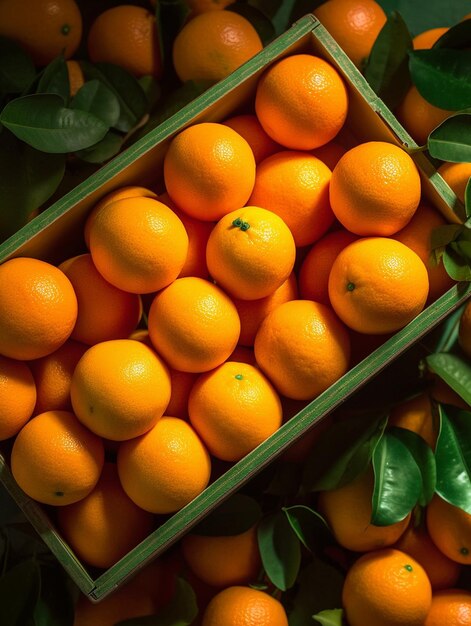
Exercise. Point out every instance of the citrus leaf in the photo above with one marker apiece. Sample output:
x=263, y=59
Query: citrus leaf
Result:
x=387, y=67
x=17, y=70
x=442, y=77
x=19, y=592
x=42, y=121
x=454, y=370
x=456, y=37
x=463, y=248
x=280, y=550
x=455, y=266
x=55, y=79
x=453, y=457
x=311, y=528
x=102, y=151
x=96, y=98
x=443, y=235
x=333, y=617
x=151, y=89
x=234, y=516
x=451, y=140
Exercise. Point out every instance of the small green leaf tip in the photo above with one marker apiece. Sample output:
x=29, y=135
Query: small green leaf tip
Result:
x=65, y=29
x=239, y=376
x=409, y=568
x=350, y=286
x=238, y=223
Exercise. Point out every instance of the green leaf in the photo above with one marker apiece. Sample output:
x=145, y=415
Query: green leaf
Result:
x=259, y=20
x=181, y=611
x=17, y=70
x=387, y=67
x=44, y=123
x=442, y=77
x=353, y=440
x=443, y=235
x=280, y=550
x=332, y=617
x=463, y=249
x=102, y=151
x=96, y=98
x=311, y=528
x=234, y=516
x=456, y=37
x=55, y=79
x=55, y=606
x=151, y=89
x=19, y=592
x=453, y=457
x=451, y=140
x=467, y=199
x=456, y=267
x=454, y=370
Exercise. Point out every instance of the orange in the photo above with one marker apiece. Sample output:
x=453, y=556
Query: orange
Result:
x=234, y=408
x=181, y=383
x=426, y=39
x=213, y=44
x=378, y=285
x=417, y=235
x=451, y=607
x=301, y=101
x=127, y=36
x=375, y=189
x=416, y=415
x=347, y=510
x=253, y=312
x=248, y=126
x=138, y=244
x=193, y=324
x=303, y=348
x=164, y=469
x=76, y=77
x=223, y=561
x=44, y=28
x=354, y=24
x=441, y=392
x=53, y=374
x=38, y=308
x=450, y=529
x=295, y=186
x=55, y=459
x=201, y=6
x=250, y=252
x=443, y=573
x=418, y=116
x=120, y=388
x=209, y=170
x=457, y=176
x=330, y=153
x=104, y=311
x=17, y=396
x=243, y=606
x=315, y=268
x=105, y=525
x=386, y=588
x=464, y=333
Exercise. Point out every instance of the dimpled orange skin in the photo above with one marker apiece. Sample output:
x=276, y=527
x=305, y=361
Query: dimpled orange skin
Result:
x=426, y=39
x=193, y=324
x=451, y=607
x=250, y=252
x=209, y=170
x=243, y=606
x=457, y=176
x=234, y=408
x=120, y=388
x=301, y=102
x=38, y=308
x=418, y=116
x=295, y=186
x=138, y=244
x=450, y=529
x=303, y=348
x=375, y=189
x=164, y=469
x=55, y=459
x=378, y=285
x=17, y=396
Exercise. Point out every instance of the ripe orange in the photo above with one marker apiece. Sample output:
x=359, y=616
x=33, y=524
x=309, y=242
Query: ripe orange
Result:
x=53, y=374
x=104, y=311
x=253, y=312
x=295, y=186
x=243, y=606
x=418, y=116
x=303, y=348
x=315, y=268
x=450, y=529
x=301, y=101
x=213, y=44
x=193, y=324
x=127, y=36
x=38, y=308
x=248, y=127
x=378, y=285
x=354, y=24
x=348, y=509
x=451, y=607
x=17, y=396
x=164, y=469
x=76, y=77
x=416, y=415
x=250, y=252
x=426, y=39
x=55, y=459
x=457, y=176
x=417, y=235
x=386, y=588
x=44, y=28
x=105, y=525
x=330, y=153
x=233, y=409
x=120, y=388
x=223, y=561
x=441, y=392
x=138, y=244
x=209, y=170
x=375, y=189
x=464, y=334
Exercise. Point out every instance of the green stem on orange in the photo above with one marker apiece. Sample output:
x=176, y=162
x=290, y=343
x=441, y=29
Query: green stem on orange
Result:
x=238, y=223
